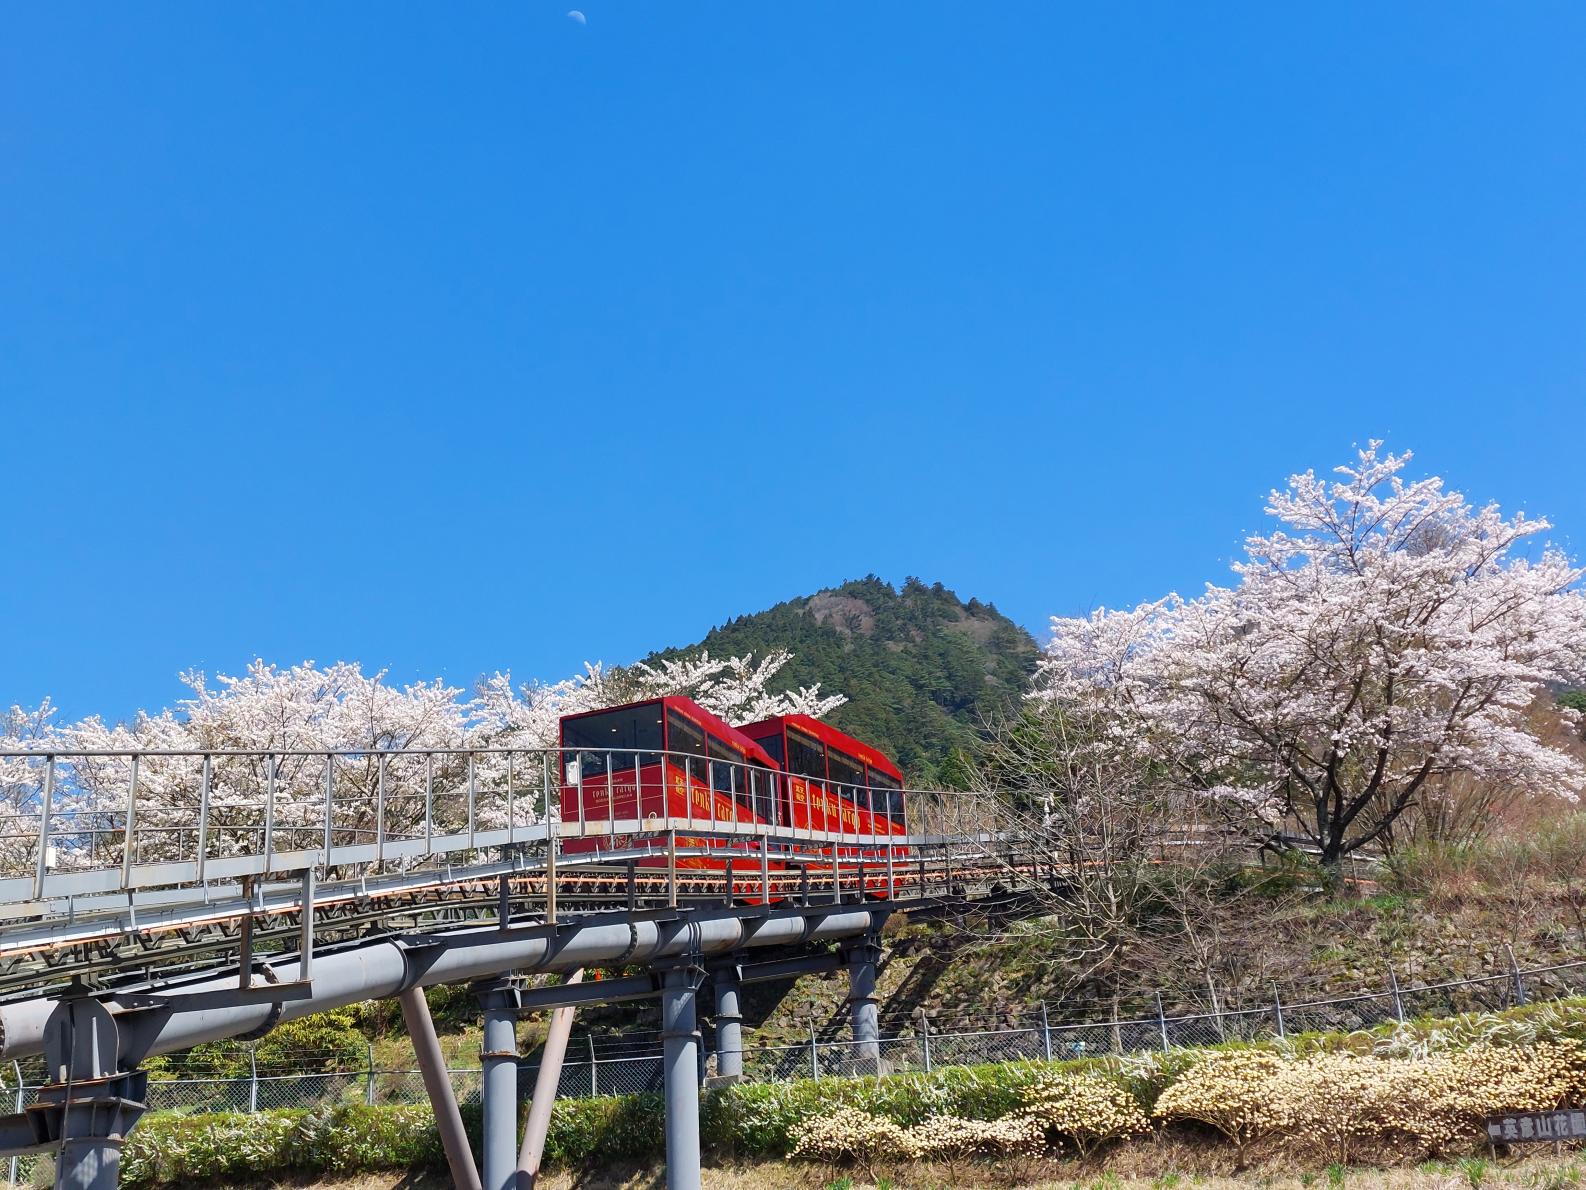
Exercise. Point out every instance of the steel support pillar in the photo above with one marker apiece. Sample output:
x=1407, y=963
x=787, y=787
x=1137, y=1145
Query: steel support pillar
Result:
x=680, y=1061
x=729, y=1021
x=443, y=1100
x=862, y=958
x=90, y=1105
x=498, y=1062
x=545, y=1084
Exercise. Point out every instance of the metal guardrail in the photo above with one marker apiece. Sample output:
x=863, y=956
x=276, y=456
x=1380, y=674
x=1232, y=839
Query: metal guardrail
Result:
x=73, y=825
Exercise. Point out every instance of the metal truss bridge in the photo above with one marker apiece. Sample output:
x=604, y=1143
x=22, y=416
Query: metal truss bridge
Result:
x=152, y=901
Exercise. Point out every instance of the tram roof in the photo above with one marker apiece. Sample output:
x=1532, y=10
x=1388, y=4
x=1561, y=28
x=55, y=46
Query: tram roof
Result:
x=829, y=736
x=689, y=709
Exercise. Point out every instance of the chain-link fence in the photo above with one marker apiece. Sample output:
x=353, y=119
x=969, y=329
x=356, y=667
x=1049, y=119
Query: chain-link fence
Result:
x=631, y=1063
x=1037, y=1033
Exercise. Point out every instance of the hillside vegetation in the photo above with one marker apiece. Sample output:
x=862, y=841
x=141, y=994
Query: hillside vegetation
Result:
x=922, y=669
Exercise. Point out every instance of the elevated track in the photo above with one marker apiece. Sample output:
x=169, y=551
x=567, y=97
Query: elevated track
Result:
x=152, y=901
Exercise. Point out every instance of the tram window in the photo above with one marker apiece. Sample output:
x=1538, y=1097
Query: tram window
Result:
x=845, y=771
x=805, y=756
x=683, y=737
x=773, y=745
x=727, y=772
x=635, y=730
x=889, y=795
x=762, y=792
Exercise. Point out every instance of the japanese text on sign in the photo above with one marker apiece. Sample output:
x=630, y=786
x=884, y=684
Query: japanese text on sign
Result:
x=1520, y=1127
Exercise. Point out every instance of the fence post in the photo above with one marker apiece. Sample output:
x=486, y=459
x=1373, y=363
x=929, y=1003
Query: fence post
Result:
x=16, y=1068
x=1161, y=1023
x=1277, y=1010
x=594, y=1083
x=253, y=1076
x=1398, y=1002
x=1046, y=1032
x=925, y=1040
x=368, y=1095
x=815, y=1058
x=1519, y=980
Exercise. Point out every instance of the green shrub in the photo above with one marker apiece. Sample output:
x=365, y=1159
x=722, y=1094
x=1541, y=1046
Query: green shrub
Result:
x=451, y=1006
x=168, y=1148
x=622, y=1127
x=323, y=1041
x=352, y=1138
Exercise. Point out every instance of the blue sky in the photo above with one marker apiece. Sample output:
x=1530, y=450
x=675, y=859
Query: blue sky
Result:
x=452, y=338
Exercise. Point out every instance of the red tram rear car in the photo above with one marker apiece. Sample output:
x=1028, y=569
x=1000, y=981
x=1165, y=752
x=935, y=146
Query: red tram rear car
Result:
x=832, y=781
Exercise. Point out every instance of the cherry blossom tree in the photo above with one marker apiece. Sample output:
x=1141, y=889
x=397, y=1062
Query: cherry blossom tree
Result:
x=278, y=722
x=1387, y=635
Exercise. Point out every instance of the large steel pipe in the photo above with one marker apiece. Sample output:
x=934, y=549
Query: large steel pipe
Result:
x=383, y=969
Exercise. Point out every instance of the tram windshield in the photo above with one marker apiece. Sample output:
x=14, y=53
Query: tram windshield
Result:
x=614, y=737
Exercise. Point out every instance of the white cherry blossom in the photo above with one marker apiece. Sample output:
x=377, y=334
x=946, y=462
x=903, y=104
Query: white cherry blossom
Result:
x=1388, y=634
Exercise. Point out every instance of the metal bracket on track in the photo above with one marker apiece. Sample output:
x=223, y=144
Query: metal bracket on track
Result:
x=128, y=1003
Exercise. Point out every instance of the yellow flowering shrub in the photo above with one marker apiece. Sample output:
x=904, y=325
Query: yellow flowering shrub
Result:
x=1084, y=1109
x=849, y=1134
x=1331, y=1103
x=1335, y=1102
x=1452, y=1093
x=949, y=1137
x=1339, y=1105
x=943, y=1138
x=1232, y=1091
x=1529, y=1078
x=1014, y=1134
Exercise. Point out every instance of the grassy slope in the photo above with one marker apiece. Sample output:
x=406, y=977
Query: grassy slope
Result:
x=1311, y=949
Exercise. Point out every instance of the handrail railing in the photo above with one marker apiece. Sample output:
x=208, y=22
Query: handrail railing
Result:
x=89, y=823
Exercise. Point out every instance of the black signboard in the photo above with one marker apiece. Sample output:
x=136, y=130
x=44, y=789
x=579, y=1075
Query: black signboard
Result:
x=1533, y=1126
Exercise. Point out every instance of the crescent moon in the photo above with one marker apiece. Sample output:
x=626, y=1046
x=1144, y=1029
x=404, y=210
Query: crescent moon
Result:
x=577, y=17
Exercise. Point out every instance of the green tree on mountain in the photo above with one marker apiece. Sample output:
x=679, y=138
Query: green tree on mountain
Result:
x=922, y=669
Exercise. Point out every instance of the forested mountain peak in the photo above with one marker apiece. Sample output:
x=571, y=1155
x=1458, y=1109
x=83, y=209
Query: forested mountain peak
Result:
x=922, y=668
